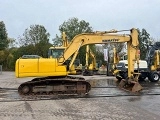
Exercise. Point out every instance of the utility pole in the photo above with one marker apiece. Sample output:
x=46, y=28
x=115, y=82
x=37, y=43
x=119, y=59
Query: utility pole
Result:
x=108, y=64
x=108, y=61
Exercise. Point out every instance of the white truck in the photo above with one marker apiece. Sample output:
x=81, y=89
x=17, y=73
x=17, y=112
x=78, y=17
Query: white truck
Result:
x=153, y=76
x=148, y=68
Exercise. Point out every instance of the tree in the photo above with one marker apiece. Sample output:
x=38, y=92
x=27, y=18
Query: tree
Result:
x=34, y=35
x=100, y=51
x=11, y=42
x=119, y=47
x=8, y=58
x=5, y=56
x=36, y=38
x=57, y=41
x=3, y=36
x=11, y=59
x=144, y=42
x=73, y=27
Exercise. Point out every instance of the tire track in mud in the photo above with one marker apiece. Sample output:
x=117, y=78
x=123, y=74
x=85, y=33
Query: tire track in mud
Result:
x=13, y=98
x=102, y=88
x=75, y=109
x=29, y=108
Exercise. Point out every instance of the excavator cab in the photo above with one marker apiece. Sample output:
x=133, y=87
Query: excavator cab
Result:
x=55, y=52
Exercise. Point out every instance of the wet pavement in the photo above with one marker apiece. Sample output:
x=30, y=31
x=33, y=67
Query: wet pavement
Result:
x=112, y=103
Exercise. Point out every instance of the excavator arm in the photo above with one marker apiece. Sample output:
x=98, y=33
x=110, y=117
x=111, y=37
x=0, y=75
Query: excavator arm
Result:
x=105, y=37
x=115, y=62
x=90, y=69
x=92, y=66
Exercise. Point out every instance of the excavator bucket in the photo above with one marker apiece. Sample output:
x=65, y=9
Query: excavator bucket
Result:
x=131, y=86
x=136, y=87
x=122, y=83
x=130, y=83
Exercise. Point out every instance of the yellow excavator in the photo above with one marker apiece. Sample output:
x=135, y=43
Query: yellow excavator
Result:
x=113, y=68
x=52, y=74
x=91, y=68
x=156, y=63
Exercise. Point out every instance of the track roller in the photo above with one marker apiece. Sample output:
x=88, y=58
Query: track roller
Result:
x=24, y=89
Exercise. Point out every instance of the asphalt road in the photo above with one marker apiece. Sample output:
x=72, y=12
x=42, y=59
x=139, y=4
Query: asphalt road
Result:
x=112, y=103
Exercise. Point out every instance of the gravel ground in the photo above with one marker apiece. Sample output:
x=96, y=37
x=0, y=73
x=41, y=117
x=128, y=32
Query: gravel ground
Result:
x=104, y=108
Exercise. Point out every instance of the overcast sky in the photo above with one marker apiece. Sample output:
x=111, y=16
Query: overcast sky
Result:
x=101, y=14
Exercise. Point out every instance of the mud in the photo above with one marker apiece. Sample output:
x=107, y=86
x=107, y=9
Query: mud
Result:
x=141, y=107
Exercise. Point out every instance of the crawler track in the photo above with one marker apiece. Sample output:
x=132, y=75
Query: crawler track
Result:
x=55, y=85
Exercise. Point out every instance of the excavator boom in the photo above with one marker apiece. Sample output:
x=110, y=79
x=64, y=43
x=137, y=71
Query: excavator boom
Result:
x=104, y=38
x=92, y=38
